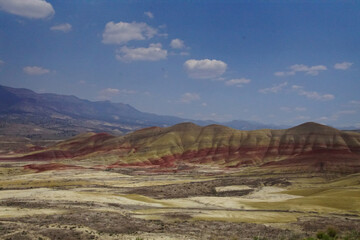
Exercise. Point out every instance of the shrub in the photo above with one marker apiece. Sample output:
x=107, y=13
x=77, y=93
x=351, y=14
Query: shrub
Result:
x=260, y=238
x=354, y=235
x=322, y=235
x=331, y=232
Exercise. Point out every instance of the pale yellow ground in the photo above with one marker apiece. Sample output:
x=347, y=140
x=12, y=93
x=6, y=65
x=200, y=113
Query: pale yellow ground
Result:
x=51, y=195
x=13, y=212
x=104, y=188
x=232, y=188
x=269, y=194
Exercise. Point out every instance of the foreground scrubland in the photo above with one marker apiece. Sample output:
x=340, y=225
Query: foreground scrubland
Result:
x=202, y=203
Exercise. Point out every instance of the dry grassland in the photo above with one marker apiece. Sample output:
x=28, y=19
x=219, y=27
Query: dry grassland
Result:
x=136, y=204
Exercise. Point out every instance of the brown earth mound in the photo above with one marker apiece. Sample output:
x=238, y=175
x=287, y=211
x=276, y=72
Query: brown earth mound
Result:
x=50, y=166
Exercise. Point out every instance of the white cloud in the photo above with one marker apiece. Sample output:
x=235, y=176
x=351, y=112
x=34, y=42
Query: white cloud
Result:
x=204, y=104
x=189, y=97
x=345, y=112
x=153, y=53
x=335, y=116
x=127, y=91
x=285, y=109
x=149, y=15
x=123, y=32
x=355, y=102
x=1, y=62
x=323, y=118
x=177, y=43
x=65, y=27
x=109, y=93
x=284, y=74
x=300, y=109
x=296, y=109
x=312, y=94
x=28, y=8
x=34, y=70
x=205, y=69
x=343, y=65
x=213, y=116
x=274, y=89
x=184, y=54
x=237, y=82
x=111, y=90
x=301, y=117
x=313, y=70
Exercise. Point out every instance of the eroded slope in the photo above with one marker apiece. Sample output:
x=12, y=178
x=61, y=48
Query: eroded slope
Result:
x=309, y=146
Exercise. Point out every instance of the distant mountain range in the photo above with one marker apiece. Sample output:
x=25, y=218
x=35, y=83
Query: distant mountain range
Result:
x=37, y=116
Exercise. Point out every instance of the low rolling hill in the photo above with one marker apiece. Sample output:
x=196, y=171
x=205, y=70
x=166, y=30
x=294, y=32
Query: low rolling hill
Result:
x=307, y=147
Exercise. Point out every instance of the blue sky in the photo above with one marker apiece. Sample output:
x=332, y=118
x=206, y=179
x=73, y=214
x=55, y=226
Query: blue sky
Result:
x=280, y=62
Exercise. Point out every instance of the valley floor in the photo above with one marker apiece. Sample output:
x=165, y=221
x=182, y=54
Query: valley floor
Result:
x=206, y=203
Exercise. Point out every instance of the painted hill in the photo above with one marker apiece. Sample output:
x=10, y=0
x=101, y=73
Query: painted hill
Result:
x=307, y=147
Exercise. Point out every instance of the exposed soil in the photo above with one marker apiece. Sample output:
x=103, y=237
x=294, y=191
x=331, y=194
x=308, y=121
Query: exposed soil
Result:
x=99, y=224
x=91, y=224
x=342, y=224
x=110, y=206
x=206, y=188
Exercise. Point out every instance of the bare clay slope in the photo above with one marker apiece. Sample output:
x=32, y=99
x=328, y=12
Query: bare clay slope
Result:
x=307, y=147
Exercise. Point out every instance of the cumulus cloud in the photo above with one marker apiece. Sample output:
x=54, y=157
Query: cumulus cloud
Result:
x=28, y=8
x=274, y=89
x=204, y=69
x=189, y=97
x=149, y=15
x=238, y=82
x=65, y=27
x=177, y=43
x=35, y=70
x=312, y=94
x=343, y=65
x=153, y=53
x=123, y=32
x=313, y=70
